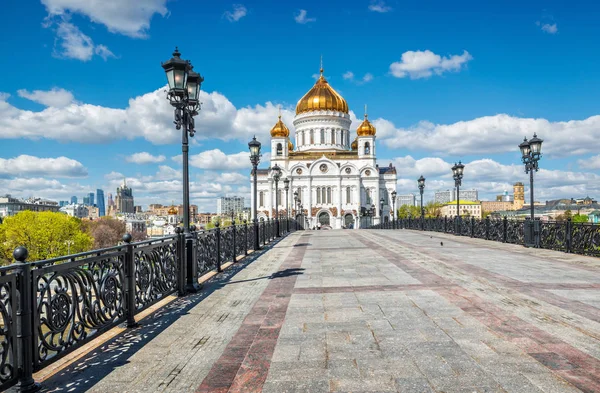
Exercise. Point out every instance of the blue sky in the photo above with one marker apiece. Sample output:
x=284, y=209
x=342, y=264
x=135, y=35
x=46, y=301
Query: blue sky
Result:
x=82, y=90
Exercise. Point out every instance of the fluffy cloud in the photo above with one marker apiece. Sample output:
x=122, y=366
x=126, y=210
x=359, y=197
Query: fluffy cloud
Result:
x=216, y=159
x=423, y=64
x=58, y=98
x=127, y=17
x=25, y=165
x=349, y=76
x=506, y=132
x=550, y=28
x=71, y=43
x=302, y=18
x=590, y=163
x=145, y=158
x=379, y=6
x=239, y=11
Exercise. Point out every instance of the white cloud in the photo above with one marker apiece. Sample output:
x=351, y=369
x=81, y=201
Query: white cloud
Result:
x=549, y=28
x=25, y=165
x=349, y=76
x=423, y=64
x=302, y=18
x=368, y=77
x=379, y=6
x=127, y=17
x=71, y=43
x=216, y=159
x=58, y=98
x=145, y=158
x=239, y=11
x=165, y=172
x=590, y=163
x=494, y=134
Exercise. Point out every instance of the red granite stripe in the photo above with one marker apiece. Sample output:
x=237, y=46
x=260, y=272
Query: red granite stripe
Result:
x=244, y=364
x=573, y=365
x=366, y=288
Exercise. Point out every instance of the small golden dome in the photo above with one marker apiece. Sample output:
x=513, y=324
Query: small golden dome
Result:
x=366, y=128
x=173, y=211
x=354, y=145
x=290, y=145
x=322, y=97
x=280, y=130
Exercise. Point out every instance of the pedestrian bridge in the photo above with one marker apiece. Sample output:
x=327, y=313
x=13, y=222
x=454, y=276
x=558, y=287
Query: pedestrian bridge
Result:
x=348, y=311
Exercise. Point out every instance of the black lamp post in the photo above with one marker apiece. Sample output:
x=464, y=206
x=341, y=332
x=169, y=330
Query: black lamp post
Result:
x=276, y=170
x=421, y=188
x=457, y=174
x=302, y=215
x=394, y=193
x=372, y=213
x=381, y=202
x=184, y=90
x=531, y=152
x=254, y=147
x=286, y=186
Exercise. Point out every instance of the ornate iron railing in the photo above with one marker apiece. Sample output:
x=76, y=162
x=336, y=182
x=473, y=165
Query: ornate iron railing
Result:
x=50, y=308
x=580, y=238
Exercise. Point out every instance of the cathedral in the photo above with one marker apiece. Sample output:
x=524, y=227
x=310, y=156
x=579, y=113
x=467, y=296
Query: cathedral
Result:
x=333, y=172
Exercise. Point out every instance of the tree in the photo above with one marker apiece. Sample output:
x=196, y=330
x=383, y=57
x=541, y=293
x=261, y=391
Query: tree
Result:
x=106, y=231
x=46, y=235
x=433, y=209
x=580, y=218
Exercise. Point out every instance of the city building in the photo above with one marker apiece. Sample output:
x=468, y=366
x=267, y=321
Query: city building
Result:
x=75, y=210
x=73, y=199
x=467, y=209
x=450, y=195
x=204, y=218
x=160, y=210
x=408, y=199
x=100, y=202
x=63, y=203
x=138, y=209
x=91, y=198
x=518, y=195
x=10, y=206
x=135, y=225
x=124, y=199
x=228, y=205
x=495, y=206
x=334, y=172
x=93, y=212
x=86, y=200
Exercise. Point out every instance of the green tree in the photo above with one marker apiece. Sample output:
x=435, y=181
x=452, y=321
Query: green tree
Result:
x=45, y=234
x=433, y=209
x=580, y=218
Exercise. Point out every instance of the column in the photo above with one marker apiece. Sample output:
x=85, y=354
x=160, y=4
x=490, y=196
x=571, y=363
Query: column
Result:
x=339, y=204
x=269, y=198
x=377, y=205
x=309, y=197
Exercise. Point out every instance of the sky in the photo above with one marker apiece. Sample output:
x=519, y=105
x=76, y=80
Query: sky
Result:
x=83, y=102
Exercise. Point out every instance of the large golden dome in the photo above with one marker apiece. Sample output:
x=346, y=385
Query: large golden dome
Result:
x=366, y=128
x=354, y=145
x=280, y=130
x=322, y=97
x=290, y=145
x=173, y=211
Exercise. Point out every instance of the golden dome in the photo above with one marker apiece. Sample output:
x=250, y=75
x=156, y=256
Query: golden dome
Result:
x=322, y=97
x=173, y=211
x=290, y=145
x=280, y=130
x=366, y=128
x=354, y=144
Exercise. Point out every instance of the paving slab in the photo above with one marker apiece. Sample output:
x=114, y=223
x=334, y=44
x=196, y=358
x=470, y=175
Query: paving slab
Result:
x=368, y=311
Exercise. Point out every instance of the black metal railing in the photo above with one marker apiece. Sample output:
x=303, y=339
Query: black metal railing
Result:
x=567, y=236
x=50, y=308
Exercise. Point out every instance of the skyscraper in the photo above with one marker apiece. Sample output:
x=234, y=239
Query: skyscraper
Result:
x=124, y=199
x=86, y=200
x=100, y=202
x=73, y=199
x=91, y=197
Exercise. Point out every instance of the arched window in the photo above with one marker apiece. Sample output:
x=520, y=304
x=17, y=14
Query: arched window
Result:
x=322, y=136
x=332, y=136
x=261, y=199
x=312, y=137
x=329, y=195
x=324, y=195
x=299, y=194
x=318, y=194
x=303, y=139
x=279, y=149
x=367, y=148
x=342, y=138
x=348, y=195
x=368, y=195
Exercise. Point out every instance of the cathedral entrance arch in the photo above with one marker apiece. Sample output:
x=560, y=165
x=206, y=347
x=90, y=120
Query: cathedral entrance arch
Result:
x=349, y=220
x=324, y=218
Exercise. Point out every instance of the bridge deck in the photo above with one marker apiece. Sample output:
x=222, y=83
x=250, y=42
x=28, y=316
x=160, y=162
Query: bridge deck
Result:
x=385, y=311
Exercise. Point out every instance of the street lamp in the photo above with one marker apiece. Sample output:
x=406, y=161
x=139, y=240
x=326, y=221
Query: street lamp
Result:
x=184, y=90
x=421, y=188
x=531, y=152
x=372, y=213
x=394, y=209
x=457, y=174
x=254, y=147
x=286, y=186
x=381, y=202
x=302, y=215
x=276, y=170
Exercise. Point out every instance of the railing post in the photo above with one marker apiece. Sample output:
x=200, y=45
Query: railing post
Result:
x=218, y=241
x=472, y=226
x=504, y=229
x=181, y=266
x=24, y=324
x=569, y=235
x=445, y=223
x=130, y=282
x=487, y=228
x=245, y=237
x=264, y=234
x=190, y=241
x=233, y=228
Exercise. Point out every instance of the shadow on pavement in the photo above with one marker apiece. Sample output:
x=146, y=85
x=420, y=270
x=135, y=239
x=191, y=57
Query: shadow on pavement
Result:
x=84, y=373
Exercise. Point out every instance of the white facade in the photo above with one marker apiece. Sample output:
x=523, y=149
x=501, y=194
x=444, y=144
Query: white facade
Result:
x=450, y=195
x=334, y=182
x=75, y=210
x=408, y=199
x=226, y=205
x=470, y=210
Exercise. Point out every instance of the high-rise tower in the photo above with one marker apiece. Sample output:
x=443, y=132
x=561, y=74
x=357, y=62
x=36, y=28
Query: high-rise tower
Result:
x=519, y=195
x=100, y=202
